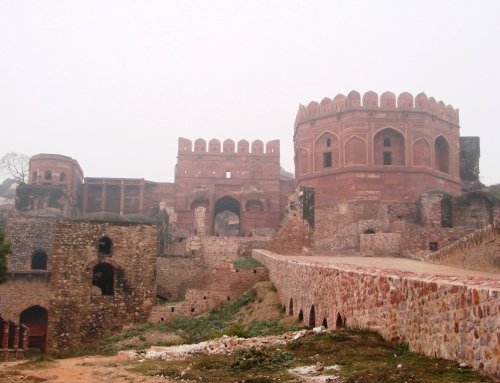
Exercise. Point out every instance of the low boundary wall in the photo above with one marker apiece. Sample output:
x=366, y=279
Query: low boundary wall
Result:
x=443, y=316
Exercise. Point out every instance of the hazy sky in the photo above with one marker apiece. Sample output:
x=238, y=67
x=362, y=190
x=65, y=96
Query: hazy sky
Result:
x=114, y=83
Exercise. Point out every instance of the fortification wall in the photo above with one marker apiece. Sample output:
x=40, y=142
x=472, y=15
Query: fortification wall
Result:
x=444, y=316
x=375, y=150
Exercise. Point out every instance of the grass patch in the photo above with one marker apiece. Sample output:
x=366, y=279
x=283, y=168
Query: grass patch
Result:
x=363, y=355
x=246, y=263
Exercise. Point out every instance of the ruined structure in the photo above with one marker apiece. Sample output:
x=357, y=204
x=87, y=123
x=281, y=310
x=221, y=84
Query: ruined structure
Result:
x=386, y=176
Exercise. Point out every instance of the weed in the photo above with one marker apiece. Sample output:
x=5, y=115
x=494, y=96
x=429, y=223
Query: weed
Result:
x=261, y=359
x=246, y=263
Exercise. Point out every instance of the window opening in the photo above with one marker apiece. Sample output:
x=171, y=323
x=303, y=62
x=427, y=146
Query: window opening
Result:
x=103, y=277
x=104, y=246
x=228, y=174
x=39, y=260
x=387, y=142
x=62, y=176
x=327, y=160
x=433, y=246
x=34, y=176
x=387, y=158
x=48, y=175
x=328, y=142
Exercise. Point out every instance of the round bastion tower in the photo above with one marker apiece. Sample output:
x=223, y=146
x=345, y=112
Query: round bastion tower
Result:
x=370, y=149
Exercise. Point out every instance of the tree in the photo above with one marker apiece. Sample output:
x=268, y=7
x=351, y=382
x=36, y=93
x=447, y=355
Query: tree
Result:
x=16, y=166
x=5, y=250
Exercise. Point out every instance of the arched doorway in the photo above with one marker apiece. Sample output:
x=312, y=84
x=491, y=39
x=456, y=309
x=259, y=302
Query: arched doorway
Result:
x=227, y=217
x=442, y=154
x=36, y=319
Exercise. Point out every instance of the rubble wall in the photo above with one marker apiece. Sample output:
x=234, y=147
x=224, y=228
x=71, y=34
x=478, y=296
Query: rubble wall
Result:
x=450, y=317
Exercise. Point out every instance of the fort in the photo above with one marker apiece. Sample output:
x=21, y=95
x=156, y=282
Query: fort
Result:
x=374, y=177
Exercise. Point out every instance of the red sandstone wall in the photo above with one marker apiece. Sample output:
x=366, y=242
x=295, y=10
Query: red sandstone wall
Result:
x=353, y=134
x=450, y=317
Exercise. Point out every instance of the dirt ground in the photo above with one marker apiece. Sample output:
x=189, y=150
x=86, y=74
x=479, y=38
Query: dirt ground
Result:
x=115, y=369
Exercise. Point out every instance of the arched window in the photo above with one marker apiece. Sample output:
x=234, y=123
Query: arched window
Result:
x=47, y=175
x=387, y=142
x=103, y=277
x=62, y=176
x=39, y=260
x=326, y=150
x=442, y=154
x=104, y=246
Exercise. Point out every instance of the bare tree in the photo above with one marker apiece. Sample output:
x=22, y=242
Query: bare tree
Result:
x=16, y=166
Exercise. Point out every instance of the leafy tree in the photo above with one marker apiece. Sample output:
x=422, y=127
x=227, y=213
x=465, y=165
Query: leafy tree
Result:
x=5, y=250
x=16, y=166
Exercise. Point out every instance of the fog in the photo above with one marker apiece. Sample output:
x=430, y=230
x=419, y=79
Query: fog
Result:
x=114, y=83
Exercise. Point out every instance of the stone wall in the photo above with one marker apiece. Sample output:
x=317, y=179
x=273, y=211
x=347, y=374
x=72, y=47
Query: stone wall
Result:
x=28, y=234
x=200, y=283
x=380, y=244
x=21, y=291
x=450, y=317
x=79, y=310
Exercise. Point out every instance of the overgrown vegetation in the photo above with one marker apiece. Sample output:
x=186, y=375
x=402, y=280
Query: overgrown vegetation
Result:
x=363, y=356
x=246, y=263
x=218, y=322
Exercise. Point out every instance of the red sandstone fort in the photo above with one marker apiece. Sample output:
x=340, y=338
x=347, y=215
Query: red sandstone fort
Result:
x=374, y=176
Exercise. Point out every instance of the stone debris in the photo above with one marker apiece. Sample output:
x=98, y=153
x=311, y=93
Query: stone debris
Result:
x=225, y=345
x=311, y=374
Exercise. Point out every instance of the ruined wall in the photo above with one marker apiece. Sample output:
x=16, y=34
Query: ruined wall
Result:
x=295, y=232
x=450, y=317
x=28, y=234
x=176, y=274
x=77, y=311
x=205, y=281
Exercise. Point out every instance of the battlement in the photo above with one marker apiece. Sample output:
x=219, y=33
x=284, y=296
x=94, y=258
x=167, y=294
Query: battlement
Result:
x=228, y=147
x=405, y=102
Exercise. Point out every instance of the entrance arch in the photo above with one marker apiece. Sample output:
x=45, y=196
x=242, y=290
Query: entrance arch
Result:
x=36, y=319
x=227, y=217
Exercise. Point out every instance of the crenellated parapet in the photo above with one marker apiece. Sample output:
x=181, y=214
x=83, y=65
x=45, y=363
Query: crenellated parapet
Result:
x=387, y=101
x=228, y=147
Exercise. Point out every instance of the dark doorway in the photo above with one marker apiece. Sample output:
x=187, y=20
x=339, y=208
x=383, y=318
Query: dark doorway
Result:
x=103, y=277
x=301, y=315
x=227, y=217
x=324, y=323
x=36, y=319
x=290, y=307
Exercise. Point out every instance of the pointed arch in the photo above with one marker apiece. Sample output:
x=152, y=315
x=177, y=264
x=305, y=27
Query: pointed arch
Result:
x=227, y=216
x=355, y=151
x=389, y=147
x=422, y=153
x=290, y=307
x=326, y=151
